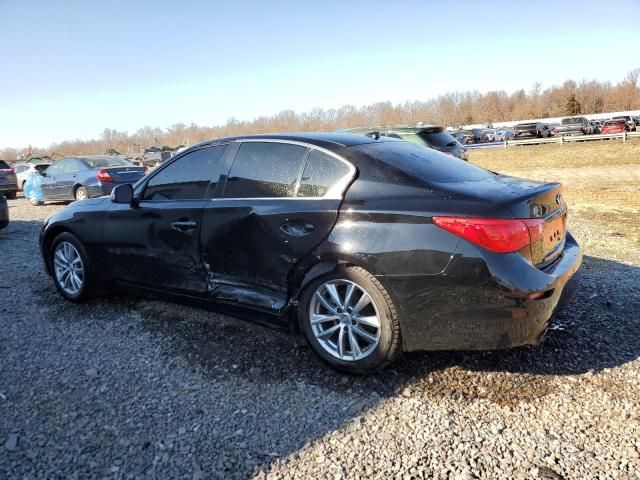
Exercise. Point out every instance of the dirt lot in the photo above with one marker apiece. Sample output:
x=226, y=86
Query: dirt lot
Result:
x=122, y=387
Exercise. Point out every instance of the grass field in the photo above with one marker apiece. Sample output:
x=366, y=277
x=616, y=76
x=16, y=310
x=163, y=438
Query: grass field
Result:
x=602, y=186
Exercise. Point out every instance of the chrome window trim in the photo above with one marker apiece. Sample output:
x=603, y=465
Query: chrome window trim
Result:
x=334, y=193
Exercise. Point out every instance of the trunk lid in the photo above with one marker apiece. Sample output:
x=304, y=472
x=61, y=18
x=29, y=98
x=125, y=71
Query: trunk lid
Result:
x=524, y=199
x=125, y=174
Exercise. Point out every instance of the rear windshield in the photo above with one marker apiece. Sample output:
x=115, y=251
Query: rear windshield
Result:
x=4, y=165
x=106, y=162
x=615, y=122
x=439, y=139
x=571, y=121
x=424, y=163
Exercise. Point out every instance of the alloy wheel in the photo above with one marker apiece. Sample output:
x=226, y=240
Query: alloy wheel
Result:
x=81, y=194
x=68, y=268
x=344, y=320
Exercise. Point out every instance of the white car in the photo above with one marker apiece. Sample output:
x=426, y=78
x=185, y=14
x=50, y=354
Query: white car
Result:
x=24, y=169
x=496, y=134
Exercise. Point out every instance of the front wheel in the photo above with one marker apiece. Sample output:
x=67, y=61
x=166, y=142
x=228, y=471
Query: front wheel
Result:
x=350, y=321
x=70, y=267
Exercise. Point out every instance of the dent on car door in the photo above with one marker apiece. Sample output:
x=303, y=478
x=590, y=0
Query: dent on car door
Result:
x=278, y=205
x=156, y=243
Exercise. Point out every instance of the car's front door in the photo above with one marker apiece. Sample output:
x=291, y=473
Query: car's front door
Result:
x=280, y=200
x=50, y=179
x=67, y=179
x=156, y=242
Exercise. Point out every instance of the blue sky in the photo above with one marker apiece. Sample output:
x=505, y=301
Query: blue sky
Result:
x=72, y=68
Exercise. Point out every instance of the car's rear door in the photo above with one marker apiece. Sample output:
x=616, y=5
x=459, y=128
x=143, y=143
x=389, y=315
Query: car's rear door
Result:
x=280, y=200
x=156, y=243
x=66, y=180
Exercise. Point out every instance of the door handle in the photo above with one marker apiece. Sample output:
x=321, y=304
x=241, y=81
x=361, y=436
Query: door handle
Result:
x=185, y=226
x=297, y=228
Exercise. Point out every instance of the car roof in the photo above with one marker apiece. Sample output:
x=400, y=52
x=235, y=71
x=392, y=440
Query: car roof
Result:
x=331, y=141
x=396, y=128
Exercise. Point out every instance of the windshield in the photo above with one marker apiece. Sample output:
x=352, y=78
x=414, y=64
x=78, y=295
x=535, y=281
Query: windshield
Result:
x=41, y=167
x=439, y=139
x=106, y=162
x=571, y=121
x=413, y=138
x=423, y=163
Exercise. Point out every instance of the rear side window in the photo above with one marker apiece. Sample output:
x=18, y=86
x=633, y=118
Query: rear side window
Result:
x=193, y=176
x=423, y=163
x=265, y=170
x=320, y=173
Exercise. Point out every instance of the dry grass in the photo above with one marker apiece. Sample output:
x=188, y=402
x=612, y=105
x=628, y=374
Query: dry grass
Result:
x=602, y=183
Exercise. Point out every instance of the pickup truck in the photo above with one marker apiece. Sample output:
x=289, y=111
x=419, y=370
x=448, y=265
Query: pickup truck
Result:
x=573, y=126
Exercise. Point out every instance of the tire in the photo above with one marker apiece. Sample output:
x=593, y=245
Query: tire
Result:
x=11, y=195
x=60, y=243
x=81, y=193
x=368, y=355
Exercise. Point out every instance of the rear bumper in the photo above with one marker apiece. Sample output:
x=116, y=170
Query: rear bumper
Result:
x=481, y=302
x=8, y=188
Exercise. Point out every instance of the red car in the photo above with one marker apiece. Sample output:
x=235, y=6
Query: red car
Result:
x=614, y=126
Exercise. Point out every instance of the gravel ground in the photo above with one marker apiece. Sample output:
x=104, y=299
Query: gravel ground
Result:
x=123, y=387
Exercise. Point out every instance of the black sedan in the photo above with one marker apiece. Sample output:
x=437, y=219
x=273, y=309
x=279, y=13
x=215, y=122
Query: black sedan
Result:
x=366, y=246
x=78, y=178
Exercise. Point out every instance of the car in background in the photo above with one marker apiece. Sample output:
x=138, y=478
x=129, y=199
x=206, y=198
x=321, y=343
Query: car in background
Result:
x=498, y=134
x=431, y=136
x=531, y=130
x=8, y=182
x=81, y=177
x=4, y=212
x=573, y=126
x=615, y=126
x=356, y=242
x=629, y=119
x=595, y=126
x=24, y=169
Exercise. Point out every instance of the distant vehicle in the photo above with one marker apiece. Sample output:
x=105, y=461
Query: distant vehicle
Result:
x=8, y=183
x=4, y=212
x=497, y=134
x=431, y=136
x=573, y=126
x=77, y=178
x=615, y=126
x=531, y=129
x=24, y=169
x=629, y=119
x=595, y=126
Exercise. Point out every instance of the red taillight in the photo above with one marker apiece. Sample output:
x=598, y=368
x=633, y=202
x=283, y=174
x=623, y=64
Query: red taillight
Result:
x=103, y=175
x=7, y=171
x=495, y=234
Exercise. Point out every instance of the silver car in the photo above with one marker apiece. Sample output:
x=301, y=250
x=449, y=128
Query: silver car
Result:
x=24, y=169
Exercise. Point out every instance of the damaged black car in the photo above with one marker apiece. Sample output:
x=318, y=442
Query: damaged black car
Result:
x=366, y=246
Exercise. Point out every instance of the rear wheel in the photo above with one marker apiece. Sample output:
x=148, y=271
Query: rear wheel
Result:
x=11, y=195
x=81, y=193
x=350, y=321
x=70, y=267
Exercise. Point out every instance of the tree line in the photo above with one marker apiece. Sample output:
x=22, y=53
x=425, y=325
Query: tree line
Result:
x=450, y=109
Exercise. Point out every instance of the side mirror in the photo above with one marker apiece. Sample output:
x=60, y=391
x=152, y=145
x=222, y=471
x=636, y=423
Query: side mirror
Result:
x=122, y=194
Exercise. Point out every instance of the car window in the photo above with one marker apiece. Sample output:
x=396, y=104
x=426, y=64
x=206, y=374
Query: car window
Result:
x=320, y=173
x=69, y=166
x=20, y=168
x=4, y=165
x=54, y=169
x=424, y=163
x=265, y=170
x=414, y=138
x=441, y=139
x=41, y=167
x=193, y=176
